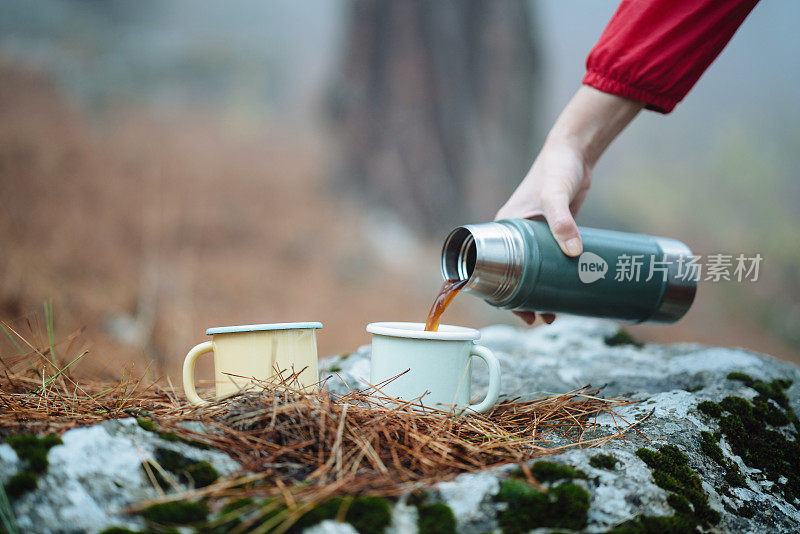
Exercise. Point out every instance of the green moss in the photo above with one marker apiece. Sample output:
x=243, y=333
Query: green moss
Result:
x=708, y=444
x=603, y=461
x=551, y=471
x=230, y=516
x=710, y=447
x=741, y=377
x=671, y=472
x=656, y=525
x=746, y=427
x=436, y=518
x=368, y=515
x=418, y=498
x=176, y=513
x=150, y=426
x=187, y=471
x=563, y=506
x=737, y=405
x=33, y=449
x=679, y=503
x=622, y=337
x=118, y=530
x=234, y=505
x=51, y=441
x=710, y=408
x=784, y=383
x=146, y=424
x=771, y=414
x=774, y=390
x=20, y=483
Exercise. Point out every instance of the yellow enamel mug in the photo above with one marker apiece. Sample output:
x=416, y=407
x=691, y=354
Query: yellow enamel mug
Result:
x=247, y=354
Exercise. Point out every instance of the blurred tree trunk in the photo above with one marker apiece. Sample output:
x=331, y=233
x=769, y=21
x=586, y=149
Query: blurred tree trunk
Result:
x=435, y=103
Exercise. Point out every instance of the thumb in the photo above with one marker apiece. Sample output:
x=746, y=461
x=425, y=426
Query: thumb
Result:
x=562, y=225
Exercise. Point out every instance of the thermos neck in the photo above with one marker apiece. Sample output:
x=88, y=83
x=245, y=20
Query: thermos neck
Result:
x=490, y=255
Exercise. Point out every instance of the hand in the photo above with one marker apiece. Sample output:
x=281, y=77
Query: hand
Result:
x=559, y=179
x=554, y=188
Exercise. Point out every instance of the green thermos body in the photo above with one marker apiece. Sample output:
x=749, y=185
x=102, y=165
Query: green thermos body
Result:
x=516, y=264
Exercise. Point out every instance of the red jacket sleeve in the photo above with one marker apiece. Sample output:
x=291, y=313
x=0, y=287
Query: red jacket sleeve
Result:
x=654, y=51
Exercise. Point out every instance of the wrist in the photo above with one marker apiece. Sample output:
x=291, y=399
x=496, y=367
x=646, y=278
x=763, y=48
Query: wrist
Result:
x=590, y=122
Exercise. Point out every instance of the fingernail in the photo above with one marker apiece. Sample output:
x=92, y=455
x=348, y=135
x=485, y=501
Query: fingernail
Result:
x=573, y=246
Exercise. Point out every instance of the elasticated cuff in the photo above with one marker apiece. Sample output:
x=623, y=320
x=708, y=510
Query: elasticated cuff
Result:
x=653, y=101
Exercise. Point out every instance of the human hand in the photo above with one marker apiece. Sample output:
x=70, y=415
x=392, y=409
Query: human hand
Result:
x=554, y=188
x=559, y=179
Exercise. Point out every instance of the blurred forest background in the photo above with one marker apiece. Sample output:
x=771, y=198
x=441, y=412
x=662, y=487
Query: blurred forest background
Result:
x=170, y=166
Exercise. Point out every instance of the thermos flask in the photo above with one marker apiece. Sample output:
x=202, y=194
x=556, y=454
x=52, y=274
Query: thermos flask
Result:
x=516, y=264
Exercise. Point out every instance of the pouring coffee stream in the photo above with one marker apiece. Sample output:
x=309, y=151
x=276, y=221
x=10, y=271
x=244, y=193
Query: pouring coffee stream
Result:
x=447, y=293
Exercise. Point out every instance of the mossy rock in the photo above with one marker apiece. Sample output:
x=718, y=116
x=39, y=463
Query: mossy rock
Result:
x=32, y=450
x=748, y=428
x=673, y=524
x=551, y=472
x=710, y=408
x=187, y=471
x=150, y=426
x=436, y=518
x=603, y=461
x=368, y=515
x=671, y=471
x=562, y=506
x=20, y=483
x=741, y=377
x=709, y=445
x=176, y=513
x=622, y=337
x=146, y=424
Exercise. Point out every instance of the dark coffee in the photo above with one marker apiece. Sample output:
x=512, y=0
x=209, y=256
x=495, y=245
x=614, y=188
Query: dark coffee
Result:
x=449, y=290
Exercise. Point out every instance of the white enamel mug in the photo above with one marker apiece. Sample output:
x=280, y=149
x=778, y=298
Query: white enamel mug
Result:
x=248, y=354
x=438, y=364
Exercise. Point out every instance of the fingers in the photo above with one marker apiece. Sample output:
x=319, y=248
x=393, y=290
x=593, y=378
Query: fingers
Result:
x=530, y=317
x=562, y=225
x=527, y=316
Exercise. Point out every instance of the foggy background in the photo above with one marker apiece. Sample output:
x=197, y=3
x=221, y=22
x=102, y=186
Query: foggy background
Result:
x=168, y=167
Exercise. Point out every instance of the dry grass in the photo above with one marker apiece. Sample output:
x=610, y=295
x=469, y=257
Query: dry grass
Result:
x=300, y=448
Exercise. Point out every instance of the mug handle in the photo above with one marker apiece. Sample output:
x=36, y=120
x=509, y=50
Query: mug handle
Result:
x=494, y=378
x=188, y=372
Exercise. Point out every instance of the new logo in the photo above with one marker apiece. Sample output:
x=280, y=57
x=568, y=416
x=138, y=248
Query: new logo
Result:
x=591, y=267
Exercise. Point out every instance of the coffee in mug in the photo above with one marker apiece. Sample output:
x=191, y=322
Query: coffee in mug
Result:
x=434, y=365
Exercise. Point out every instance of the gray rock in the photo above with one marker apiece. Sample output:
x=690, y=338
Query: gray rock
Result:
x=96, y=474
x=347, y=372
x=669, y=380
x=9, y=462
x=329, y=526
